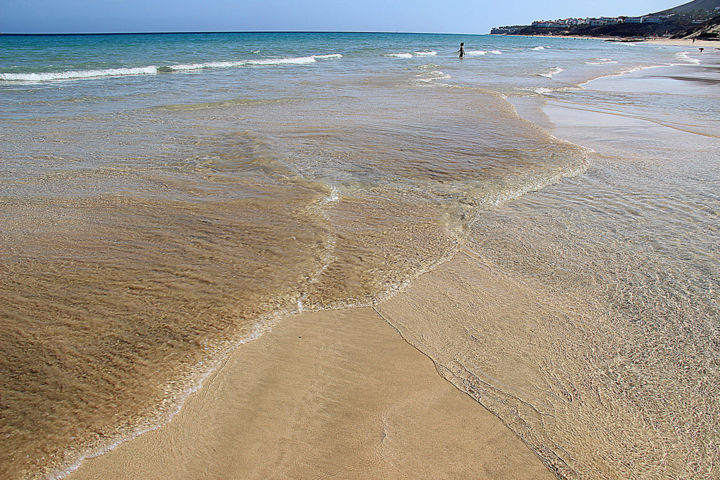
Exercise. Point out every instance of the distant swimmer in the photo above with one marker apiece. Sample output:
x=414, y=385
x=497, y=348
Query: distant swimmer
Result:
x=701, y=49
x=462, y=50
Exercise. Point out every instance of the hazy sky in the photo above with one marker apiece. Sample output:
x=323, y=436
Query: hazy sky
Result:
x=472, y=16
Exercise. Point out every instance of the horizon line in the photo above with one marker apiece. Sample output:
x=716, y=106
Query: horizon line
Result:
x=181, y=32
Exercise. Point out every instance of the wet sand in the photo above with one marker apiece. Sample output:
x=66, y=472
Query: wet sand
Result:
x=326, y=394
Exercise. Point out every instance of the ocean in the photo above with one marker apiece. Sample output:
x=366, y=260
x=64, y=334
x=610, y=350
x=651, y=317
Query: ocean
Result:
x=166, y=198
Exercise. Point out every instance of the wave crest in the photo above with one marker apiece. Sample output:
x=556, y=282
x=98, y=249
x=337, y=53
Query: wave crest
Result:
x=78, y=74
x=154, y=69
x=551, y=73
x=600, y=61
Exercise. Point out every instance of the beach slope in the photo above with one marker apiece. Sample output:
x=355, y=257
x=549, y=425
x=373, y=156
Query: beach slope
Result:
x=327, y=394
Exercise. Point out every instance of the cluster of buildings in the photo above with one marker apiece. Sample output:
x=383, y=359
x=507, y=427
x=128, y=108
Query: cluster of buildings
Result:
x=573, y=23
x=596, y=22
x=663, y=23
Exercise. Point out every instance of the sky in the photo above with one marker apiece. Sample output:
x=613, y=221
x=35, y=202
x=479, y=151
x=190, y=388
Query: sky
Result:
x=470, y=16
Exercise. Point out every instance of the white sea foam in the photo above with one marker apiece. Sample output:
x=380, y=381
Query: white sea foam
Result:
x=685, y=57
x=333, y=197
x=600, y=61
x=496, y=52
x=432, y=75
x=543, y=90
x=430, y=53
x=329, y=55
x=281, y=61
x=262, y=61
x=200, y=66
x=399, y=55
x=475, y=53
x=539, y=48
x=154, y=69
x=550, y=91
x=552, y=72
x=243, y=63
x=78, y=74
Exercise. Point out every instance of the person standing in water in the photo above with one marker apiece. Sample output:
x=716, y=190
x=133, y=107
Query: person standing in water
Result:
x=462, y=50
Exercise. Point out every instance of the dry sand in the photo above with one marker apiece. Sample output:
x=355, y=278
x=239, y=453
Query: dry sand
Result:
x=680, y=42
x=684, y=42
x=329, y=394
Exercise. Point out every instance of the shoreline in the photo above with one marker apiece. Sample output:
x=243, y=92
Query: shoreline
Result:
x=683, y=42
x=322, y=394
x=678, y=42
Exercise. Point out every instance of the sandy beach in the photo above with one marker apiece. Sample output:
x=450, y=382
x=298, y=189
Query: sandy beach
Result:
x=684, y=42
x=335, y=394
x=680, y=42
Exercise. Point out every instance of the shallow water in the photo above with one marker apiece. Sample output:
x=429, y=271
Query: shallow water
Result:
x=585, y=315
x=165, y=197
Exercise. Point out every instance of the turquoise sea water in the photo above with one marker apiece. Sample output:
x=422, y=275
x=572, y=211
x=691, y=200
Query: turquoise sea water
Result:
x=166, y=197
x=217, y=66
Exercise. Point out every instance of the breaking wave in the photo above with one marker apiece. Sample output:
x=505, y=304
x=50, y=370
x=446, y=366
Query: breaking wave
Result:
x=551, y=73
x=685, y=57
x=431, y=76
x=154, y=69
x=601, y=61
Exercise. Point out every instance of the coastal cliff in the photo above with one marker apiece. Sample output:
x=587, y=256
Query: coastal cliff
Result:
x=697, y=19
